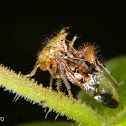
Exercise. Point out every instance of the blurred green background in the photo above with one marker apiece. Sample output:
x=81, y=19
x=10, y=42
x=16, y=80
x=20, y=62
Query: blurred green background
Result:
x=25, y=28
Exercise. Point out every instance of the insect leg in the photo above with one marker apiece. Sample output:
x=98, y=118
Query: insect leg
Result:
x=33, y=72
x=63, y=77
x=51, y=82
x=68, y=87
x=58, y=83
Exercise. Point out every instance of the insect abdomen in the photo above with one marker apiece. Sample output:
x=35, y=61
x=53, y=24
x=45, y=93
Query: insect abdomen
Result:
x=107, y=100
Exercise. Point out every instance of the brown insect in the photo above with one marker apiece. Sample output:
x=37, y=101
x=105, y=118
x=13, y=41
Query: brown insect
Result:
x=81, y=67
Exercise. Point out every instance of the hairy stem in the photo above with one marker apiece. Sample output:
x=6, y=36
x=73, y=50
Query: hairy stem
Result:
x=36, y=93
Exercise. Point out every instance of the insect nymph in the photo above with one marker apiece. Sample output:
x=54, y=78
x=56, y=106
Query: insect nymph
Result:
x=81, y=67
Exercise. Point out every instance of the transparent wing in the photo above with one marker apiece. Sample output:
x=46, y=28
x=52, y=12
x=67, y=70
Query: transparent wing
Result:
x=106, y=91
x=92, y=80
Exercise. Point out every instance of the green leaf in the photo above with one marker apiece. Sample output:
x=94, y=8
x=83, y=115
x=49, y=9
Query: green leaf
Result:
x=117, y=67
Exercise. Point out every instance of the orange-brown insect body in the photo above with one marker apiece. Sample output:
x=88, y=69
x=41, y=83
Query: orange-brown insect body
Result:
x=46, y=57
x=89, y=53
x=81, y=67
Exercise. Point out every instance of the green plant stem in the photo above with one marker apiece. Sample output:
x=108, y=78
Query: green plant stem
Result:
x=31, y=91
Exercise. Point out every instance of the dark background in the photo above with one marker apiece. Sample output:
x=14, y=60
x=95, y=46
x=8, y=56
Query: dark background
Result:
x=25, y=26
